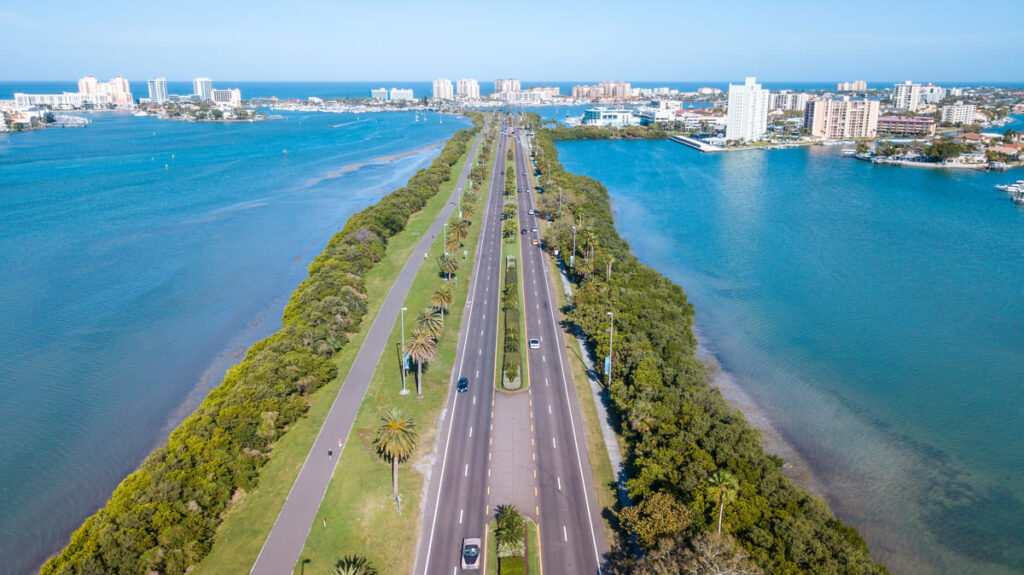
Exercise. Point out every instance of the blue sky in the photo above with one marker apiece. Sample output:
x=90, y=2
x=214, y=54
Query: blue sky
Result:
x=938, y=40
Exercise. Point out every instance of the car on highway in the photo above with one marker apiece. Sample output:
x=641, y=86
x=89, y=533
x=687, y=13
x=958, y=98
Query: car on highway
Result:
x=534, y=343
x=463, y=385
x=533, y=229
x=530, y=212
x=523, y=231
x=535, y=242
x=471, y=553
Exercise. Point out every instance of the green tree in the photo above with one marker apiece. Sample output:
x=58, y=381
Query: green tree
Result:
x=421, y=349
x=396, y=439
x=430, y=320
x=509, y=531
x=451, y=244
x=468, y=210
x=459, y=229
x=941, y=151
x=723, y=488
x=658, y=515
x=448, y=264
x=443, y=297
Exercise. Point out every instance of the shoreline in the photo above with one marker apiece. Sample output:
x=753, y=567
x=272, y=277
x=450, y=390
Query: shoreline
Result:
x=796, y=467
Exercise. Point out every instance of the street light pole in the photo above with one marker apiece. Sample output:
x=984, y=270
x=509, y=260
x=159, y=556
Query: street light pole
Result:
x=404, y=391
x=611, y=337
x=572, y=258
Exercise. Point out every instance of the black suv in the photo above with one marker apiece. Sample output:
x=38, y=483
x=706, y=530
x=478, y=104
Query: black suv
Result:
x=463, y=385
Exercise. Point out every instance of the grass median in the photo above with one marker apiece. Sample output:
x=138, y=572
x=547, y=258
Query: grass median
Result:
x=362, y=518
x=252, y=515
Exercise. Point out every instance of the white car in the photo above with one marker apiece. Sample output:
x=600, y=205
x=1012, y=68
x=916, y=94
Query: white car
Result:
x=471, y=553
x=534, y=343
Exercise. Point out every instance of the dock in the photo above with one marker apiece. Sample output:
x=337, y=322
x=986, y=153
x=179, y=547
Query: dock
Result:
x=696, y=144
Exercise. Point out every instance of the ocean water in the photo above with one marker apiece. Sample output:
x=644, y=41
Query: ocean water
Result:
x=875, y=315
x=140, y=259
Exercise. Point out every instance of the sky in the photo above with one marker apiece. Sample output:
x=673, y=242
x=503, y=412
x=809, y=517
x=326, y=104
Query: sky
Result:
x=319, y=40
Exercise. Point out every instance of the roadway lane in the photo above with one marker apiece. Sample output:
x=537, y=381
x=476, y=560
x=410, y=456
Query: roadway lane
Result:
x=283, y=545
x=572, y=536
x=456, y=504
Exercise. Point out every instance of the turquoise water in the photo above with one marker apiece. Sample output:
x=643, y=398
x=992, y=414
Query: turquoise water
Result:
x=874, y=314
x=140, y=259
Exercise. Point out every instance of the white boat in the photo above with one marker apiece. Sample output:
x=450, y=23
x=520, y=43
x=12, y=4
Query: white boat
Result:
x=140, y=114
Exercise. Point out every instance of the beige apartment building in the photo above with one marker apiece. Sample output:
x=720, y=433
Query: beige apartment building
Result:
x=841, y=119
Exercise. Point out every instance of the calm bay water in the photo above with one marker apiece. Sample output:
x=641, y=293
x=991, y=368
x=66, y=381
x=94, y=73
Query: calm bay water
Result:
x=140, y=259
x=874, y=314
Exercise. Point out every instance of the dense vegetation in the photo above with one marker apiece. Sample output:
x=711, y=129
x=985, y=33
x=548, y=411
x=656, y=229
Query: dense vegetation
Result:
x=162, y=518
x=511, y=361
x=691, y=457
x=652, y=132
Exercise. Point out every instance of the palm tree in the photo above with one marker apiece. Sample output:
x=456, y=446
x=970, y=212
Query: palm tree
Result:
x=396, y=440
x=430, y=321
x=443, y=297
x=467, y=210
x=421, y=349
x=449, y=265
x=354, y=565
x=510, y=297
x=459, y=229
x=451, y=244
x=723, y=487
x=509, y=531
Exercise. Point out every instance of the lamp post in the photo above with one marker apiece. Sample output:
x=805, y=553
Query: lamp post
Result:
x=572, y=256
x=404, y=391
x=611, y=337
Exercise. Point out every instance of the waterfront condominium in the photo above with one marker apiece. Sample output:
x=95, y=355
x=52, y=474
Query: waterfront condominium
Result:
x=506, y=85
x=959, y=113
x=785, y=100
x=117, y=91
x=747, y=117
x=842, y=119
x=158, y=90
x=469, y=89
x=443, y=89
x=906, y=96
x=203, y=88
x=401, y=95
x=379, y=94
x=855, y=86
x=231, y=97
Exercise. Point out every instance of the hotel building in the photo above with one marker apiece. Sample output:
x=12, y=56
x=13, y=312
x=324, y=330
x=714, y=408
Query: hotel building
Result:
x=231, y=97
x=786, y=101
x=401, y=95
x=158, y=91
x=505, y=85
x=203, y=88
x=906, y=96
x=748, y=111
x=379, y=94
x=842, y=119
x=443, y=89
x=959, y=113
x=903, y=127
x=469, y=88
x=855, y=86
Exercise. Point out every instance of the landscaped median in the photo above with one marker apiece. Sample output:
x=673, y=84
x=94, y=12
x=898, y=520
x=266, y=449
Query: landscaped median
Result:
x=513, y=544
x=163, y=517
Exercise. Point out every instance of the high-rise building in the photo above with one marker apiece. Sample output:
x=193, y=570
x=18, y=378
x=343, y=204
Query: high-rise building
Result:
x=932, y=94
x=505, y=85
x=906, y=96
x=616, y=90
x=443, y=89
x=88, y=85
x=401, y=94
x=379, y=94
x=469, y=88
x=959, y=113
x=158, y=90
x=119, y=92
x=855, y=86
x=747, y=117
x=203, y=87
x=231, y=97
x=786, y=100
x=841, y=119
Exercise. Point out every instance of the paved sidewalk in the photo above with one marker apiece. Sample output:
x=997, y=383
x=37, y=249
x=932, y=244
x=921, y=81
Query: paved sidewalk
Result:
x=284, y=544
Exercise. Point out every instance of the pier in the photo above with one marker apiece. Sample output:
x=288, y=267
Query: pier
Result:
x=696, y=144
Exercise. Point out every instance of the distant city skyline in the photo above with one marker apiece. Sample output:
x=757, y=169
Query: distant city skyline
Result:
x=322, y=41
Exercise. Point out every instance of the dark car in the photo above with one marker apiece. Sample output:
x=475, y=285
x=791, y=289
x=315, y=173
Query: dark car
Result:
x=522, y=231
x=471, y=553
x=463, y=385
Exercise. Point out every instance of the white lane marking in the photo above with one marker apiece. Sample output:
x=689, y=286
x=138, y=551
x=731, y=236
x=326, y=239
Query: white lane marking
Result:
x=479, y=351
x=481, y=333
x=477, y=375
x=466, y=472
x=559, y=483
x=474, y=402
x=549, y=409
x=460, y=516
x=565, y=534
x=545, y=381
x=553, y=444
x=471, y=432
x=543, y=358
x=455, y=401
